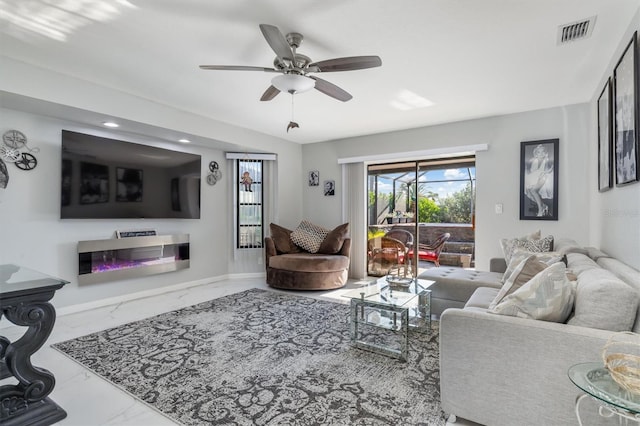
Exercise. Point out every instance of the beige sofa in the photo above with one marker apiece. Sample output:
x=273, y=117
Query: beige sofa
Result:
x=505, y=370
x=291, y=267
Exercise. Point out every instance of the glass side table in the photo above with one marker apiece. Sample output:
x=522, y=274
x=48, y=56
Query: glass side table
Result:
x=613, y=400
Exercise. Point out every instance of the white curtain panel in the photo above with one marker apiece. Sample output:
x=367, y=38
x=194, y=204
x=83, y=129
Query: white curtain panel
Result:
x=354, y=211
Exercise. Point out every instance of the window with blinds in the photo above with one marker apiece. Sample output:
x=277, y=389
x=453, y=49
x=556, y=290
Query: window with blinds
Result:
x=250, y=208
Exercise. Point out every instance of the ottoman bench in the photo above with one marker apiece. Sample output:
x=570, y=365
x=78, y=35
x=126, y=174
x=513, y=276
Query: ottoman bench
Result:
x=454, y=286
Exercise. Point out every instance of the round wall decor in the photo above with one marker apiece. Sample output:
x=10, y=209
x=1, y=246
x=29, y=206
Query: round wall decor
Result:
x=215, y=175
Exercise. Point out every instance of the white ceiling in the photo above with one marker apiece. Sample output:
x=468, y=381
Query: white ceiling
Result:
x=470, y=58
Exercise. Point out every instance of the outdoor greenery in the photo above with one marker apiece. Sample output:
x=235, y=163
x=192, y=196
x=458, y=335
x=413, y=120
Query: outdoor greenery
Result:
x=455, y=208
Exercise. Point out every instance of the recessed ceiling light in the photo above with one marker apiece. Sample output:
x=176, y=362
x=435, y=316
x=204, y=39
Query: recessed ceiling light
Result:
x=110, y=124
x=183, y=140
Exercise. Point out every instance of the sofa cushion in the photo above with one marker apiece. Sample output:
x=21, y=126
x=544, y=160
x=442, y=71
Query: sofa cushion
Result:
x=521, y=274
x=482, y=298
x=282, y=239
x=536, y=246
x=306, y=262
x=332, y=243
x=548, y=296
x=604, y=301
x=595, y=253
x=567, y=245
x=578, y=263
x=309, y=236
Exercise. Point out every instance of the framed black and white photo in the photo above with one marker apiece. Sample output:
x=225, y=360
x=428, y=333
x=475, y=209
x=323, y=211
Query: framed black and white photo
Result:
x=314, y=178
x=94, y=183
x=625, y=98
x=539, y=180
x=329, y=187
x=605, y=139
x=129, y=184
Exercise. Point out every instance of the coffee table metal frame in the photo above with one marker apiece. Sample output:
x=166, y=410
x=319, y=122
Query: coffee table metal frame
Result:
x=402, y=312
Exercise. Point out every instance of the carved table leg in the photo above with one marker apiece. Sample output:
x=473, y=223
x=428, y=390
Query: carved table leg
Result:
x=27, y=402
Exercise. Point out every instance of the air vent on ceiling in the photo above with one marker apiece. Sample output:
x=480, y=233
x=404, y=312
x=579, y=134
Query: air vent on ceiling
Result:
x=576, y=30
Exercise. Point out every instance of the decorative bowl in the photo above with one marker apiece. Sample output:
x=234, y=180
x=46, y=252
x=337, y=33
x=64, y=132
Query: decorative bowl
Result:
x=621, y=356
x=396, y=280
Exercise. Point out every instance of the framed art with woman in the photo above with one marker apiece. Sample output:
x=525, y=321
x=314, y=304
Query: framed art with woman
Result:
x=539, y=180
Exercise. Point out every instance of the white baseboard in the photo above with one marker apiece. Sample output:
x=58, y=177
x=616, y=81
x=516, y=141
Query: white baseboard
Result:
x=72, y=309
x=81, y=307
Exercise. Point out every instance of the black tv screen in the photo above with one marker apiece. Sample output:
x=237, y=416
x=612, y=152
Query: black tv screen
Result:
x=112, y=179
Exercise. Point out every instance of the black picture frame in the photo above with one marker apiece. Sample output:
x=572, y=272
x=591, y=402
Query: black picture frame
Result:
x=94, y=183
x=314, y=178
x=539, y=179
x=605, y=138
x=625, y=101
x=129, y=185
x=329, y=187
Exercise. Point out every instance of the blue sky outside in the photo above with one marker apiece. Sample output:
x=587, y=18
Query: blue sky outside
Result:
x=443, y=182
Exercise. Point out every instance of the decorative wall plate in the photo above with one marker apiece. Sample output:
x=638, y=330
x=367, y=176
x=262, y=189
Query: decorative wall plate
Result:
x=27, y=162
x=10, y=155
x=14, y=139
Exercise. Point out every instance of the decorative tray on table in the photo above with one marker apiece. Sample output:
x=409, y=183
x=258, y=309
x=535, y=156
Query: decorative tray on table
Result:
x=396, y=280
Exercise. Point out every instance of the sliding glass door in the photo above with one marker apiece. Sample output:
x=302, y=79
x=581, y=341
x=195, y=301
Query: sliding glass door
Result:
x=424, y=198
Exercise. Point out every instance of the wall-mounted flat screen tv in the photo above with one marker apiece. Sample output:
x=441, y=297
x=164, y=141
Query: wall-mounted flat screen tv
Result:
x=105, y=178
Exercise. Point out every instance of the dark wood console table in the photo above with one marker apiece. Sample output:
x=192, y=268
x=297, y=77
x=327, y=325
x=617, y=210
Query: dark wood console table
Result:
x=24, y=300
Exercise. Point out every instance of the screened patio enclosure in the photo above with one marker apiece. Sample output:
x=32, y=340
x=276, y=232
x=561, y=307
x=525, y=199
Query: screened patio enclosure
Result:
x=426, y=198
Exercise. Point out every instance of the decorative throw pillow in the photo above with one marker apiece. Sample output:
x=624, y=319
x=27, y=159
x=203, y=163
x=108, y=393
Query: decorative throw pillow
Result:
x=282, y=239
x=534, y=246
x=548, y=296
x=507, y=244
x=521, y=274
x=309, y=236
x=519, y=255
x=332, y=243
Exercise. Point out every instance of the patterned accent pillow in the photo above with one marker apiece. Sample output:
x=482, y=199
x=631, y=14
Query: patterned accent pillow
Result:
x=309, y=236
x=519, y=276
x=535, y=246
x=548, y=296
x=519, y=255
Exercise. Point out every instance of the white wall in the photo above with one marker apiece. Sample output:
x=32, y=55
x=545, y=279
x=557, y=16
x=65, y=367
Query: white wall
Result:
x=33, y=234
x=615, y=213
x=498, y=170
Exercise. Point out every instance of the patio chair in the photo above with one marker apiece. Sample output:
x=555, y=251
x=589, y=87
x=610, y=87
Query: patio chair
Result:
x=401, y=235
x=385, y=255
x=431, y=252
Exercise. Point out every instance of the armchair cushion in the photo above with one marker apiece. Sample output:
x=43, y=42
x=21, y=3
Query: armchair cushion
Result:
x=332, y=243
x=282, y=239
x=309, y=236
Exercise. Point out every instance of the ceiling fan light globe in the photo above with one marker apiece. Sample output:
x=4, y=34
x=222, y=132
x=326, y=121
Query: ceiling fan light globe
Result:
x=293, y=83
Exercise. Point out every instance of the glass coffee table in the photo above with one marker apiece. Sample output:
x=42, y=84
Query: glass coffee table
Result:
x=383, y=312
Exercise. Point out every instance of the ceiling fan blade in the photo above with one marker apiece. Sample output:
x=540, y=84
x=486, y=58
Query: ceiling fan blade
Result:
x=277, y=41
x=269, y=94
x=236, y=68
x=347, y=64
x=331, y=89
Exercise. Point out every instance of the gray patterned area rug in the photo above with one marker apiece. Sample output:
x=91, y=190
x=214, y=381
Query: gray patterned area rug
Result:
x=264, y=358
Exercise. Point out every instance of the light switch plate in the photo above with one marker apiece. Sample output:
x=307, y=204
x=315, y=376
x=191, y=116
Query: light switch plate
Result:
x=499, y=208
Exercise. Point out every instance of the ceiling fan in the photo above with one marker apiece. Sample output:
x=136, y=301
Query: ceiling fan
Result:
x=295, y=67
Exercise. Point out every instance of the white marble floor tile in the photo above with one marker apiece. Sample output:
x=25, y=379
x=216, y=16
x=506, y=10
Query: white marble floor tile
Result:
x=92, y=401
